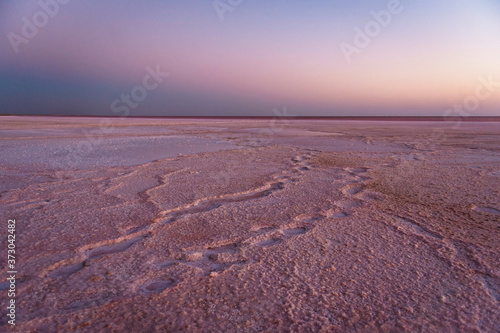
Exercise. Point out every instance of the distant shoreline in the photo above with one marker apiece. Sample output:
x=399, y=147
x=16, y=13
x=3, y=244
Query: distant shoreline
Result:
x=360, y=118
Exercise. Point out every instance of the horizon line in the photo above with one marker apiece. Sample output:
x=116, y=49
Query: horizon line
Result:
x=386, y=118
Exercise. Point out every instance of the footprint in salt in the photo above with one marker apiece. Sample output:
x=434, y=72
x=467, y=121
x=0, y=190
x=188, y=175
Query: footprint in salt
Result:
x=112, y=249
x=294, y=231
x=487, y=210
x=157, y=286
x=352, y=189
x=66, y=271
x=269, y=242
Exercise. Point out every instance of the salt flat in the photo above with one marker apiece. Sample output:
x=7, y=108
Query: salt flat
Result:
x=230, y=225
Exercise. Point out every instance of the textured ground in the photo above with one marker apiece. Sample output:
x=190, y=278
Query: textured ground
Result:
x=252, y=226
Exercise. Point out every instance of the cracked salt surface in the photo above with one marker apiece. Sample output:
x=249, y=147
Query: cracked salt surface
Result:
x=305, y=234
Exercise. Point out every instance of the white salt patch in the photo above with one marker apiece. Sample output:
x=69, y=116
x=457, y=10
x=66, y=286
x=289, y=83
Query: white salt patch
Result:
x=96, y=152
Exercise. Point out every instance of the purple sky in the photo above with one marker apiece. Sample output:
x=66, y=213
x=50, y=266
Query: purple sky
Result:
x=91, y=57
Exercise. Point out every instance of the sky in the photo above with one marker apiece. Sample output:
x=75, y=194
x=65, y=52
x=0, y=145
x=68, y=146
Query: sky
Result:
x=248, y=58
